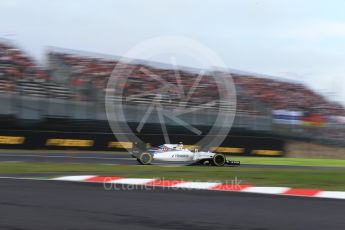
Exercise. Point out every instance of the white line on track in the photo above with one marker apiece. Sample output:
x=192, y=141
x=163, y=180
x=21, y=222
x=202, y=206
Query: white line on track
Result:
x=266, y=190
x=75, y=157
x=331, y=194
x=133, y=181
x=10, y=161
x=197, y=185
x=74, y=178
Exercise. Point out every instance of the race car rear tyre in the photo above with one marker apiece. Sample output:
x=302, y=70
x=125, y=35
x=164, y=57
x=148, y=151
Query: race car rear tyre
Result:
x=145, y=158
x=218, y=160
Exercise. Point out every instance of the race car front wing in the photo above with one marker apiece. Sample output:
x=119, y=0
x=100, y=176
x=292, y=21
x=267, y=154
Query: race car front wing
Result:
x=233, y=163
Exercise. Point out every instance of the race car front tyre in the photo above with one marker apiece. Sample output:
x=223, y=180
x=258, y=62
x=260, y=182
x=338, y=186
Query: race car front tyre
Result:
x=218, y=160
x=145, y=158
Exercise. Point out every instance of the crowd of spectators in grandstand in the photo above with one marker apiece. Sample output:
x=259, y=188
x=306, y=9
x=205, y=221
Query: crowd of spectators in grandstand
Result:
x=20, y=74
x=86, y=79
x=141, y=79
x=286, y=95
x=146, y=82
x=16, y=65
x=273, y=93
x=88, y=75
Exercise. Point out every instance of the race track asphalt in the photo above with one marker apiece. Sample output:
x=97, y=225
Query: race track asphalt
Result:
x=27, y=204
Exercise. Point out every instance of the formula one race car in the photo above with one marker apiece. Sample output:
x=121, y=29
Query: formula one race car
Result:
x=176, y=153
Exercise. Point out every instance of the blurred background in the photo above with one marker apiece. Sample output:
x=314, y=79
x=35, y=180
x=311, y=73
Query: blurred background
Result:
x=55, y=65
x=64, y=165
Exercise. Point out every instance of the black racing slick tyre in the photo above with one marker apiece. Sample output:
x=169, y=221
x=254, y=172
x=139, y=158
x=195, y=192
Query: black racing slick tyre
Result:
x=145, y=158
x=218, y=160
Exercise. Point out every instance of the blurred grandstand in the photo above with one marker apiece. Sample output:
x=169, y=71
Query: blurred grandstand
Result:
x=68, y=95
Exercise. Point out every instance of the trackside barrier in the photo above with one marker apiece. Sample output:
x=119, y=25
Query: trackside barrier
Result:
x=47, y=140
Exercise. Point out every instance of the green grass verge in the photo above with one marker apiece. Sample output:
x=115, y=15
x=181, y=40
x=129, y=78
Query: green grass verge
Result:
x=328, y=179
x=289, y=161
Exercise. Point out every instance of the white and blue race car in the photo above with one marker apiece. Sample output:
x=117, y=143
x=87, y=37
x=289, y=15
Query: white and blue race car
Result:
x=177, y=153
